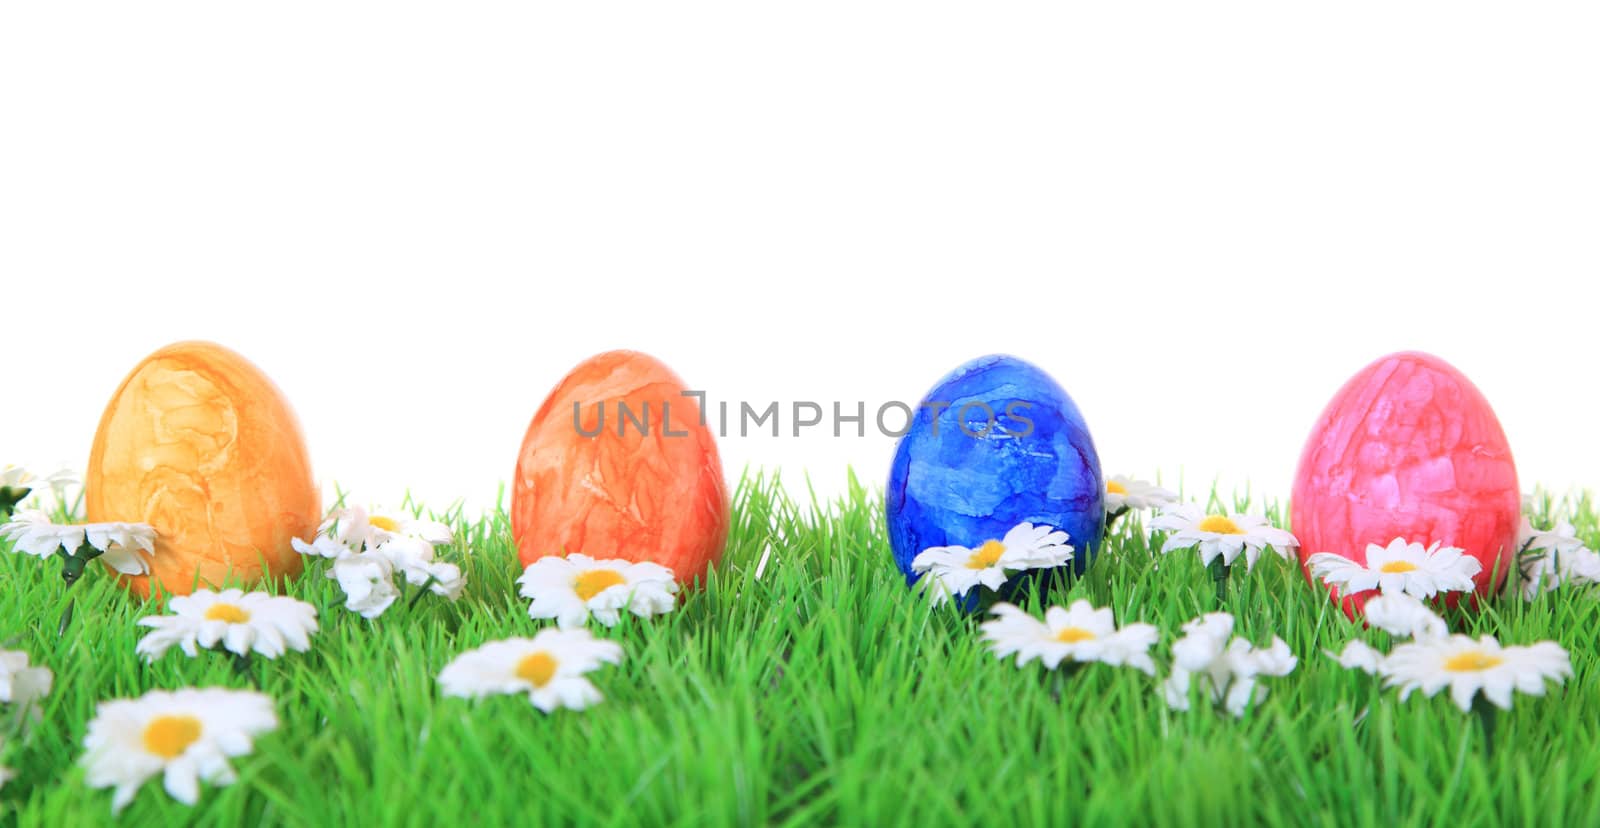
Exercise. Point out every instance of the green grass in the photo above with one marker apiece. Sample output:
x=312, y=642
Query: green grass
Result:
x=822, y=692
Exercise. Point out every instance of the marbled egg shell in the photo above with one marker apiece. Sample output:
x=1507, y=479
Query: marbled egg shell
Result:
x=617, y=464
x=958, y=480
x=1408, y=448
x=201, y=445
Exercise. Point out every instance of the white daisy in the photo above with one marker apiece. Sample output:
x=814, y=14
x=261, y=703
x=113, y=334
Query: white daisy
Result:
x=382, y=548
x=1124, y=493
x=1401, y=615
x=550, y=668
x=1230, y=667
x=31, y=531
x=1078, y=633
x=364, y=529
x=1399, y=567
x=576, y=587
x=118, y=544
x=21, y=684
x=269, y=625
x=413, y=559
x=445, y=579
x=58, y=481
x=17, y=483
x=15, y=477
x=957, y=569
x=1358, y=655
x=6, y=774
x=1224, y=535
x=187, y=736
x=368, y=583
x=1467, y=667
x=322, y=546
x=1551, y=558
x=1563, y=538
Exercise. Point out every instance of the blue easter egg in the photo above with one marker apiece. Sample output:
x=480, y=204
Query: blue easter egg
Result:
x=996, y=443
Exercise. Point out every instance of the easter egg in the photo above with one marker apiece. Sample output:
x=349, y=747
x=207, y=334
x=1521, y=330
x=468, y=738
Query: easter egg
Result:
x=617, y=463
x=201, y=445
x=1408, y=448
x=995, y=443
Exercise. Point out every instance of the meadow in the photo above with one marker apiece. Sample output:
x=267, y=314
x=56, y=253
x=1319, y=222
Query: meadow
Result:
x=805, y=684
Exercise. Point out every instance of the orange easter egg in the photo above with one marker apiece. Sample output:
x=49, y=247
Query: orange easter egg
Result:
x=617, y=464
x=201, y=445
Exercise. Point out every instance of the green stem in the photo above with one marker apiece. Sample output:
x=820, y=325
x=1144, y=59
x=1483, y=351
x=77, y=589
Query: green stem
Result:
x=241, y=665
x=1219, y=573
x=421, y=591
x=1111, y=518
x=1060, y=676
x=72, y=566
x=1488, y=717
x=66, y=618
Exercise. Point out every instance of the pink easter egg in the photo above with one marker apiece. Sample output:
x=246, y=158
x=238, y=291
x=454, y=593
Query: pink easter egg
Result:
x=1408, y=448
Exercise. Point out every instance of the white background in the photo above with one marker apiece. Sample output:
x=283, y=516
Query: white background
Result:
x=1201, y=218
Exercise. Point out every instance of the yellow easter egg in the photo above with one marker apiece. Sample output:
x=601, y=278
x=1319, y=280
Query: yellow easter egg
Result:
x=201, y=445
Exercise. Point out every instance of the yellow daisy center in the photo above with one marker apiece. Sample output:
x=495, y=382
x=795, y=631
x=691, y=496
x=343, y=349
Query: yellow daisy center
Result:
x=1220, y=524
x=596, y=581
x=1072, y=635
x=1472, y=661
x=537, y=669
x=1397, y=566
x=169, y=736
x=227, y=612
x=1113, y=487
x=384, y=523
x=986, y=555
